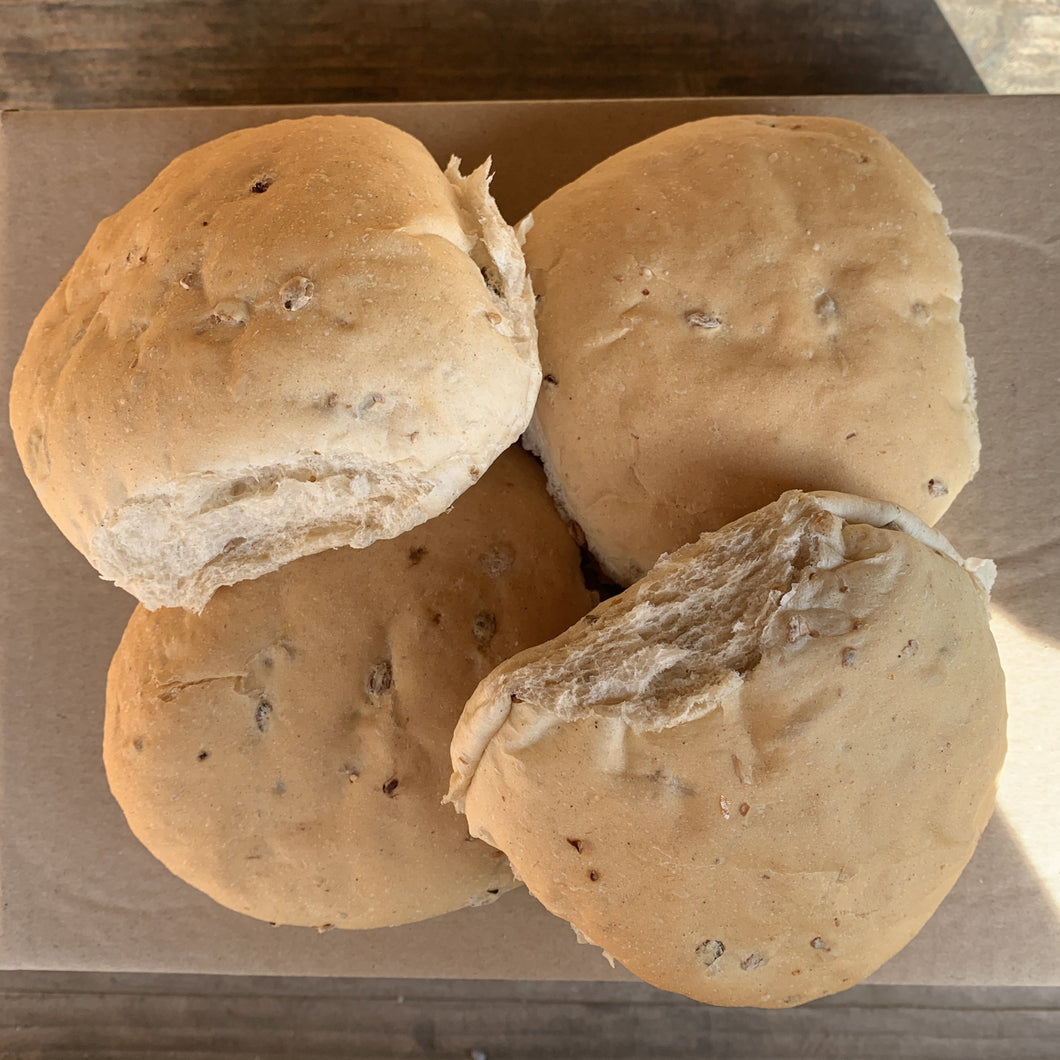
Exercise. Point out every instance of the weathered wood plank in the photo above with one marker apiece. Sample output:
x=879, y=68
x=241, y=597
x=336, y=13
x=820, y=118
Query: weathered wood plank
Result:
x=90, y=53
x=154, y=1017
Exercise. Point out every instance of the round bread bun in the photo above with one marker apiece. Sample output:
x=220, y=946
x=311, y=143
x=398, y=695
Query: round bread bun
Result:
x=752, y=776
x=299, y=336
x=286, y=751
x=737, y=307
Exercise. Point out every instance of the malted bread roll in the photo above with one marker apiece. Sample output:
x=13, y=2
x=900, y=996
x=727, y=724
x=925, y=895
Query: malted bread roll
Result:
x=753, y=776
x=299, y=336
x=286, y=751
x=736, y=307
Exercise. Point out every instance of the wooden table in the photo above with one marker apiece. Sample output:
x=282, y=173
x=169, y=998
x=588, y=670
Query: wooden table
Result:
x=150, y=53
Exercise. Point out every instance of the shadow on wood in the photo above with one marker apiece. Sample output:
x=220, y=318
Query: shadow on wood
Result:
x=78, y=53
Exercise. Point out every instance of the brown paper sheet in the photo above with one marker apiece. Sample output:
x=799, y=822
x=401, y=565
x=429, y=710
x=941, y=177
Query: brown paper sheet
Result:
x=76, y=889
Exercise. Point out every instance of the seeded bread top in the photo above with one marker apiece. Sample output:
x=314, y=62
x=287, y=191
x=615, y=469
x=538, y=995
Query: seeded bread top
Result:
x=286, y=750
x=752, y=776
x=300, y=335
x=739, y=306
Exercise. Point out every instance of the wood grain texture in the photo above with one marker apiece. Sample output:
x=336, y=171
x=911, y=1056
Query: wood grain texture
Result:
x=46, y=1014
x=119, y=53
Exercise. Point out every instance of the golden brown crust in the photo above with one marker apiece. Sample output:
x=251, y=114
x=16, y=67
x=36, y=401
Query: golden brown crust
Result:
x=285, y=343
x=752, y=777
x=736, y=307
x=286, y=751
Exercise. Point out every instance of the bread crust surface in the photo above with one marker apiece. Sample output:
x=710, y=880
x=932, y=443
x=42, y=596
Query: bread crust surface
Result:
x=286, y=750
x=736, y=307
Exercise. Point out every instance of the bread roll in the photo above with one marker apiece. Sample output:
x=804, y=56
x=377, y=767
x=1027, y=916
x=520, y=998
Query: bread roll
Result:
x=740, y=306
x=299, y=336
x=753, y=776
x=287, y=750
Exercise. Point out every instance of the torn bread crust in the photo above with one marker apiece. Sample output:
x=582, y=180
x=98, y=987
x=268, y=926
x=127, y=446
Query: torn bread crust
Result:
x=210, y=529
x=892, y=516
x=845, y=730
x=676, y=645
x=497, y=250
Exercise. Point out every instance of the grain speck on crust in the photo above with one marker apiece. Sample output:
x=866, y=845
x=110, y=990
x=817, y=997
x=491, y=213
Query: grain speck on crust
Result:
x=710, y=951
x=496, y=560
x=262, y=715
x=698, y=319
x=381, y=678
x=296, y=293
x=484, y=628
x=230, y=313
x=824, y=306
